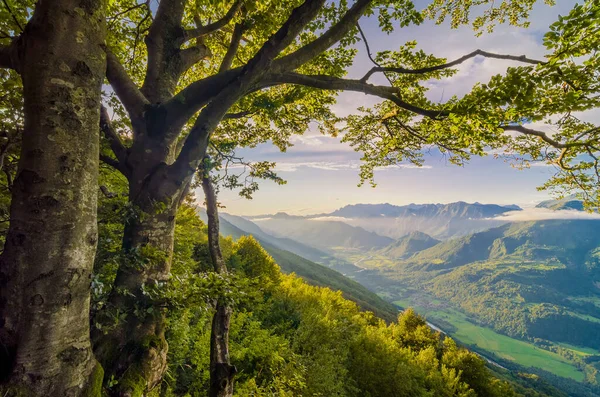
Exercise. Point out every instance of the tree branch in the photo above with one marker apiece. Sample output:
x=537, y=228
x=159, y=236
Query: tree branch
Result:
x=238, y=115
x=299, y=18
x=237, y=83
x=127, y=92
x=339, y=84
x=520, y=58
x=326, y=40
x=110, y=161
x=188, y=101
x=234, y=44
x=192, y=55
x=213, y=27
x=542, y=135
x=552, y=142
x=116, y=145
x=9, y=56
x=129, y=9
x=415, y=134
x=164, y=38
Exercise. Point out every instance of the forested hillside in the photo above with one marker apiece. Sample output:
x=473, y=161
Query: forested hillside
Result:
x=316, y=274
x=542, y=277
x=535, y=281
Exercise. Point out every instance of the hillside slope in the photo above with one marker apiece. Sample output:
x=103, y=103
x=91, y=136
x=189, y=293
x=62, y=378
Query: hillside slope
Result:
x=315, y=274
x=531, y=279
x=408, y=245
x=322, y=234
x=568, y=203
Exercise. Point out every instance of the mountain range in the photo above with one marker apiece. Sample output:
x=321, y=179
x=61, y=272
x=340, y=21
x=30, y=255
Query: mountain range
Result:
x=441, y=221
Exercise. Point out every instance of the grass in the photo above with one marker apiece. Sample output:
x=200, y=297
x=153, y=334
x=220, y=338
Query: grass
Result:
x=505, y=347
x=582, y=351
x=366, y=259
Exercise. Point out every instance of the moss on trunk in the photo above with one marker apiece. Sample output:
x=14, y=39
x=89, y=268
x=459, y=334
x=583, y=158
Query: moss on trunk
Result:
x=47, y=262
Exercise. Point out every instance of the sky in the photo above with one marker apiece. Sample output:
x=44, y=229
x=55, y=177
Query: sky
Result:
x=322, y=173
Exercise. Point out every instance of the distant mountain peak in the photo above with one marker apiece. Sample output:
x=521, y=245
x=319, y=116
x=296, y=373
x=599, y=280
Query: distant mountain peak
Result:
x=567, y=203
x=410, y=244
x=460, y=209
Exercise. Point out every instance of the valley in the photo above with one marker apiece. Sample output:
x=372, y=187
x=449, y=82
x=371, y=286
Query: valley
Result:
x=525, y=295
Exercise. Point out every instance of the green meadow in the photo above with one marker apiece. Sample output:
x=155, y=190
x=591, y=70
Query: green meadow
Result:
x=505, y=347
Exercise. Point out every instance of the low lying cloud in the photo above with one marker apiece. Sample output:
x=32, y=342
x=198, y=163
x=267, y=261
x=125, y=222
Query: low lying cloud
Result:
x=338, y=166
x=331, y=218
x=321, y=165
x=540, y=214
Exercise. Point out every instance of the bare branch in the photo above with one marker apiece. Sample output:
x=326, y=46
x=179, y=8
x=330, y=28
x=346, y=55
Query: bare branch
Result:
x=213, y=27
x=520, y=58
x=192, y=55
x=368, y=48
x=232, y=50
x=129, y=9
x=339, y=84
x=188, y=101
x=299, y=18
x=237, y=83
x=415, y=134
x=326, y=40
x=164, y=38
x=238, y=115
x=107, y=193
x=116, y=145
x=110, y=161
x=128, y=93
x=542, y=135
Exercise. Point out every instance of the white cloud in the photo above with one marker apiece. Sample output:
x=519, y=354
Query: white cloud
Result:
x=331, y=218
x=284, y=166
x=539, y=214
x=404, y=166
x=541, y=164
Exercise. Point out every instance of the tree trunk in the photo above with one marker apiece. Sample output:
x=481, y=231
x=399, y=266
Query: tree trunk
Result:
x=135, y=351
x=221, y=370
x=46, y=265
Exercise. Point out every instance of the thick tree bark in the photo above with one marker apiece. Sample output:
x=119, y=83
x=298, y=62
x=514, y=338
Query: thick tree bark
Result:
x=47, y=262
x=135, y=351
x=221, y=370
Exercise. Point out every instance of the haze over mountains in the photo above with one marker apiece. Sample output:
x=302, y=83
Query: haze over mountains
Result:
x=441, y=221
x=323, y=234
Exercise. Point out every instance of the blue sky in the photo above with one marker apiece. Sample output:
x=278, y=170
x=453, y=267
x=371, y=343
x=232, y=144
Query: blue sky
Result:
x=322, y=173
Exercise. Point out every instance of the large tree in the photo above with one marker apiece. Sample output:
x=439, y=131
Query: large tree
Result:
x=48, y=256
x=223, y=74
